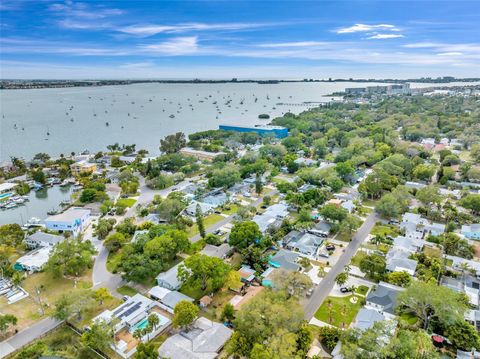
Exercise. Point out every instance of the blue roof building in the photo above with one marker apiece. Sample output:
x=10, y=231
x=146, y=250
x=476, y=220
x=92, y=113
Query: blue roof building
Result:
x=277, y=131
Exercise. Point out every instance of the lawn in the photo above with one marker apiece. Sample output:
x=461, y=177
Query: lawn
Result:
x=361, y=290
x=385, y=230
x=127, y=202
x=126, y=290
x=338, y=311
x=207, y=222
x=214, y=310
x=27, y=310
x=230, y=209
x=432, y=251
x=193, y=290
x=113, y=260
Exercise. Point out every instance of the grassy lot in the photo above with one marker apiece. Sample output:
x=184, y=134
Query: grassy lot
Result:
x=126, y=290
x=214, y=310
x=62, y=342
x=114, y=260
x=361, y=290
x=27, y=310
x=127, y=202
x=193, y=290
x=338, y=311
x=385, y=230
x=408, y=318
x=357, y=258
x=207, y=222
x=235, y=261
x=432, y=251
x=232, y=208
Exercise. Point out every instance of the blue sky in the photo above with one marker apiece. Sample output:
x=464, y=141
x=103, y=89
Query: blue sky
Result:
x=245, y=39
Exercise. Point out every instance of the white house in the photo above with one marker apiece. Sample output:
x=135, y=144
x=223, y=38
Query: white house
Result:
x=73, y=220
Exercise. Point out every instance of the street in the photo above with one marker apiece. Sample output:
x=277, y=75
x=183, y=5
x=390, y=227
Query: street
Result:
x=323, y=289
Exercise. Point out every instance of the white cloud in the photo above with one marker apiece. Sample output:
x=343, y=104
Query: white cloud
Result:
x=366, y=28
x=385, y=36
x=293, y=44
x=152, y=29
x=174, y=47
x=450, y=54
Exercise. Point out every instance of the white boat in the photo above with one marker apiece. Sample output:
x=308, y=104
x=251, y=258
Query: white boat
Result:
x=10, y=205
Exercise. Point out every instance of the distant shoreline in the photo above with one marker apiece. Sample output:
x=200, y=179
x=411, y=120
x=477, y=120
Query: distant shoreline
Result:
x=12, y=84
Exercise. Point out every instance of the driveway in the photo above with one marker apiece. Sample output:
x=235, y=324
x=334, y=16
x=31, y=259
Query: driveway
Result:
x=326, y=285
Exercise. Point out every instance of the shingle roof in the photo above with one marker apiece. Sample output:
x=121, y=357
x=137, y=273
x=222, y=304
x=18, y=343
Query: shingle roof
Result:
x=384, y=295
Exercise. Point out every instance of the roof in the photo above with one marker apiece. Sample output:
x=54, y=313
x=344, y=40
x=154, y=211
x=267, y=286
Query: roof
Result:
x=158, y=292
x=398, y=257
x=172, y=298
x=471, y=228
x=213, y=251
x=45, y=238
x=69, y=215
x=170, y=277
x=7, y=186
x=271, y=215
x=35, y=259
x=409, y=244
x=286, y=260
x=385, y=295
x=366, y=318
x=306, y=244
x=204, y=341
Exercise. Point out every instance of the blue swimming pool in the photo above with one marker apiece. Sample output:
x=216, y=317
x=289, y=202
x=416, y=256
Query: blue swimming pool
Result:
x=144, y=322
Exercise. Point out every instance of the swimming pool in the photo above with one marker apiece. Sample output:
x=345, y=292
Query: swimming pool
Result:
x=144, y=322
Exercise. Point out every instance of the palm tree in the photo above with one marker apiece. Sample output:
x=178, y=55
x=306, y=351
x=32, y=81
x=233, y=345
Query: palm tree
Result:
x=342, y=278
x=153, y=320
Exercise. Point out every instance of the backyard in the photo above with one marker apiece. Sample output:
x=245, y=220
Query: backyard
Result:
x=339, y=311
x=207, y=222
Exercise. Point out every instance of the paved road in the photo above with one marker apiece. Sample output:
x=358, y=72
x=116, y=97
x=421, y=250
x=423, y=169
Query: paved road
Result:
x=26, y=336
x=229, y=219
x=327, y=283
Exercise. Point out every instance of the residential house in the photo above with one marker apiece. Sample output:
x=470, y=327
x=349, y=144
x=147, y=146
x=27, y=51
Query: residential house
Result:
x=204, y=341
x=73, y=220
x=305, y=243
x=169, y=279
x=273, y=216
x=305, y=162
x=398, y=261
x=471, y=231
x=412, y=222
x=42, y=239
x=409, y=244
x=34, y=261
x=222, y=251
x=82, y=167
x=191, y=210
x=215, y=198
x=200, y=155
x=366, y=318
x=285, y=259
x=383, y=299
x=247, y=274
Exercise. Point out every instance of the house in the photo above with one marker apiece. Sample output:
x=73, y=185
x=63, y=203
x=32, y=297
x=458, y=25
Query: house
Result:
x=285, y=259
x=215, y=198
x=191, y=210
x=471, y=231
x=222, y=251
x=473, y=317
x=34, y=261
x=408, y=244
x=322, y=228
x=247, y=274
x=272, y=216
x=6, y=189
x=169, y=279
x=468, y=355
x=262, y=130
x=466, y=284
x=412, y=222
x=171, y=299
x=305, y=162
x=200, y=155
x=82, y=167
x=398, y=261
x=204, y=341
x=73, y=220
x=366, y=318
x=460, y=263
x=130, y=317
x=42, y=239
x=205, y=301
x=349, y=206
x=383, y=299
x=306, y=243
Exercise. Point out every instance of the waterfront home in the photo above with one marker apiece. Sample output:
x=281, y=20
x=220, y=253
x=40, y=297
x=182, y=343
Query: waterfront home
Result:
x=383, y=298
x=33, y=261
x=200, y=155
x=82, y=167
x=73, y=220
x=471, y=231
x=130, y=317
x=6, y=189
x=42, y=239
x=204, y=341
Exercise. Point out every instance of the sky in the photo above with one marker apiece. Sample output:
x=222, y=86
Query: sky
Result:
x=121, y=39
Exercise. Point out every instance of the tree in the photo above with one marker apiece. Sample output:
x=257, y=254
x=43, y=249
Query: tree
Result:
x=429, y=195
x=39, y=176
x=408, y=344
x=6, y=320
x=471, y=202
x=341, y=278
x=102, y=294
x=11, y=235
x=74, y=305
x=349, y=224
x=456, y=246
x=374, y=265
x=71, y=257
x=184, y=314
x=258, y=184
x=228, y=312
x=199, y=220
x=333, y=212
x=243, y=234
x=345, y=169
x=224, y=177
x=424, y=172
x=463, y=335
x=329, y=337
x=100, y=336
x=389, y=207
x=205, y=271
x=401, y=279
x=115, y=241
x=88, y=195
x=170, y=208
x=429, y=301
x=146, y=351
x=295, y=284
x=173, y=143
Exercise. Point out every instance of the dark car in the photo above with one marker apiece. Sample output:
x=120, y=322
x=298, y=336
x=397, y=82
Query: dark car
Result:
x=330, y=247
x=344, y=290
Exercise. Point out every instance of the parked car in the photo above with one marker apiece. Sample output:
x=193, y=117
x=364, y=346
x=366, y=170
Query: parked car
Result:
x=345, y=290
x=330, y=247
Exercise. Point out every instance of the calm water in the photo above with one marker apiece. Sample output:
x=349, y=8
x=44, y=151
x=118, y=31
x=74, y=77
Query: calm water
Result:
x=40, y=203
x=76, y=117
